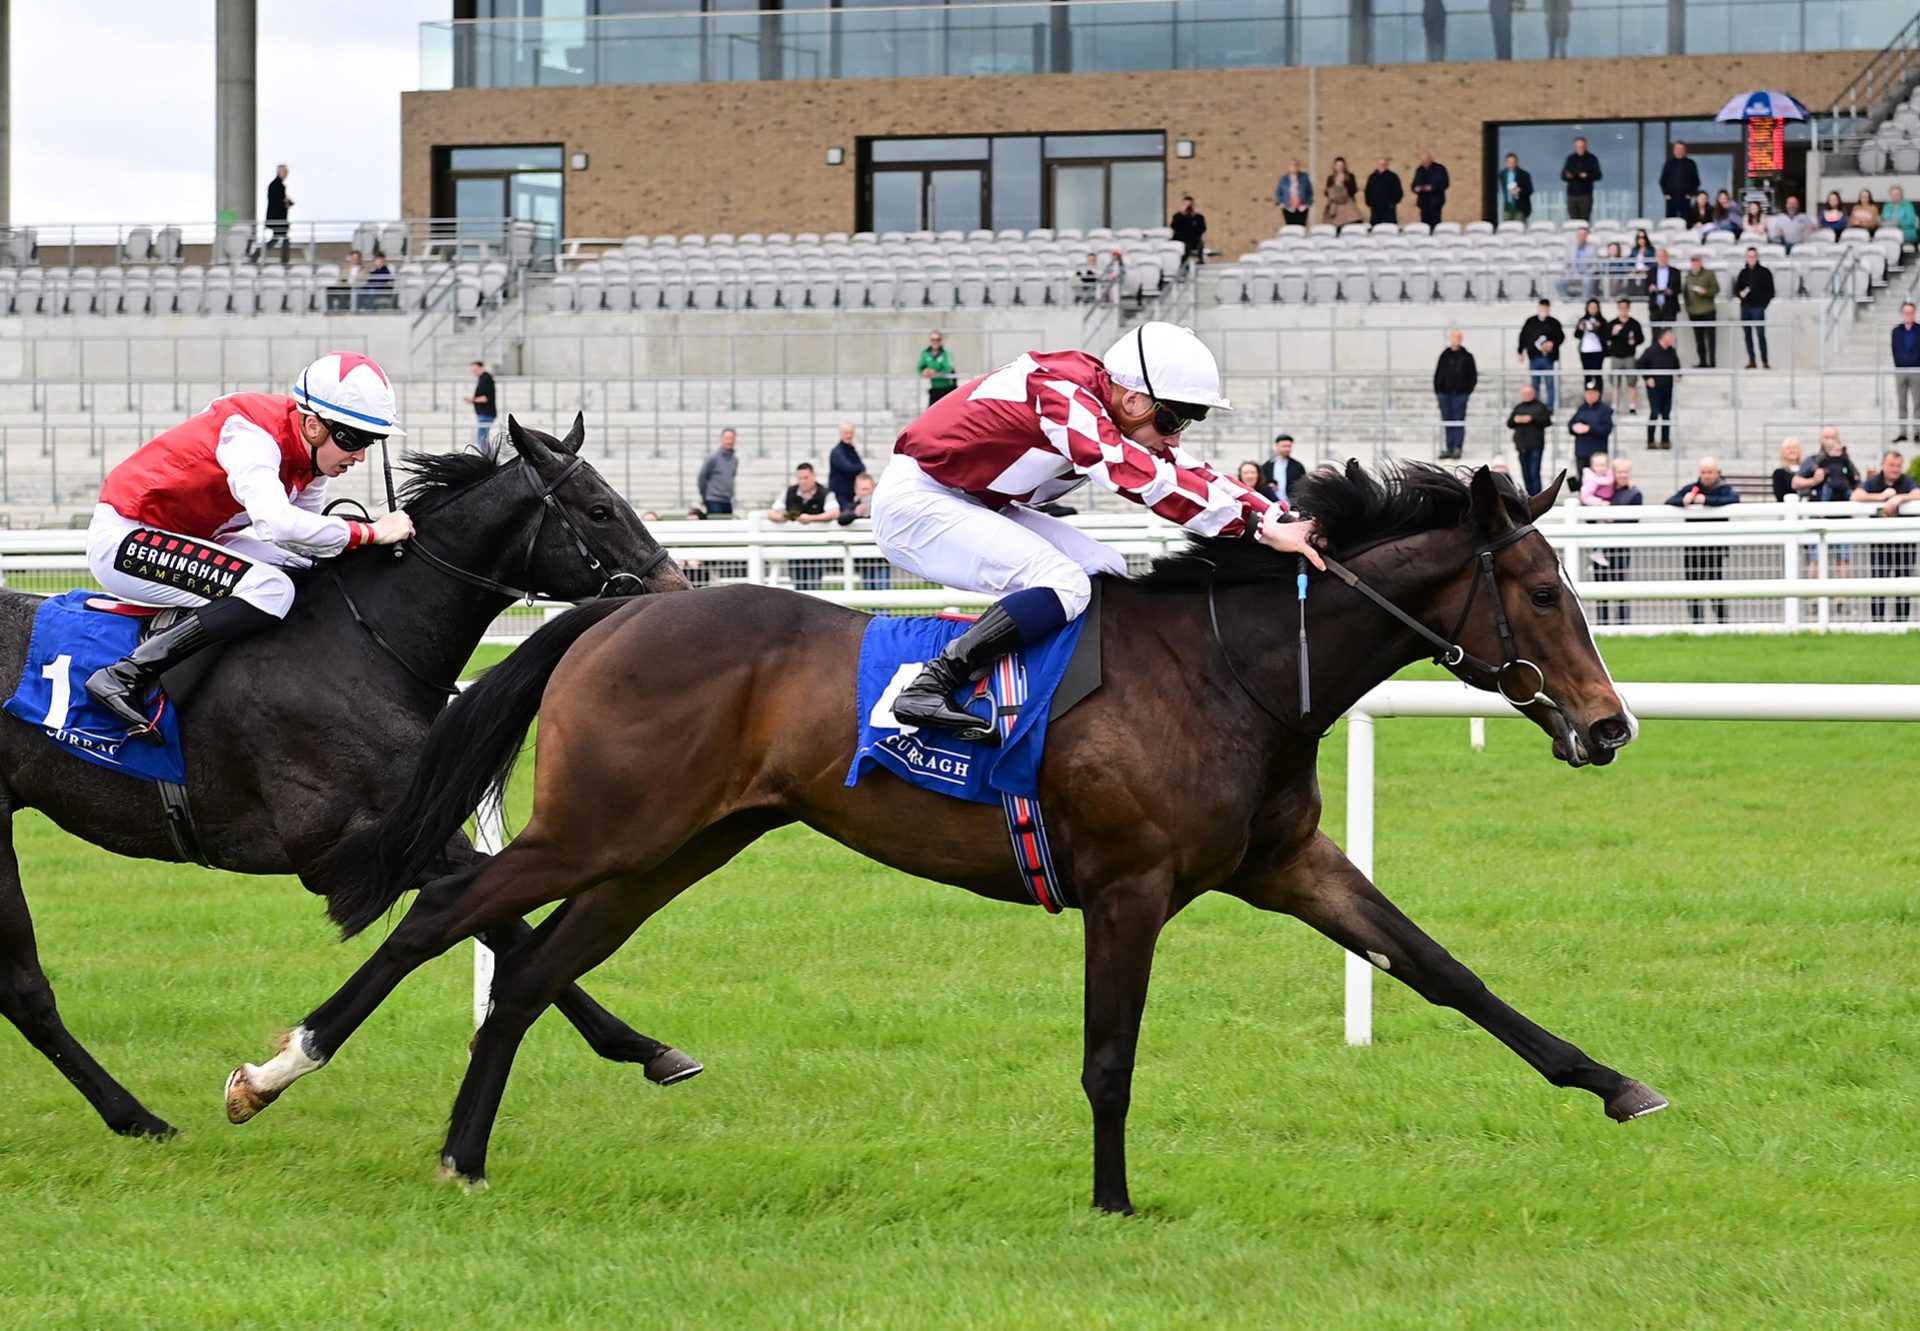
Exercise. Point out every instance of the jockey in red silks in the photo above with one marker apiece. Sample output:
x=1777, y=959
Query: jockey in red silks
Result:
x=956, y=504
x=209, y=513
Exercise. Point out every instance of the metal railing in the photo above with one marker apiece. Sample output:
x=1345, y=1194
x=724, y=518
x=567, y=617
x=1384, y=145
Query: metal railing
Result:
x=1872, y=96
x=173, y=244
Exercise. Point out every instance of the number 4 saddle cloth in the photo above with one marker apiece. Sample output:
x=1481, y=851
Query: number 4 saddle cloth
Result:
x=73, y=636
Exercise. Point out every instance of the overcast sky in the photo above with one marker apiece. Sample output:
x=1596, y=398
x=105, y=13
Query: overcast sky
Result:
x=113, y=106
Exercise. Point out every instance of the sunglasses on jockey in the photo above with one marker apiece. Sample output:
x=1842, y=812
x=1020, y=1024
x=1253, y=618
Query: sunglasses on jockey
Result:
x=348, y=439
x=1168, y=417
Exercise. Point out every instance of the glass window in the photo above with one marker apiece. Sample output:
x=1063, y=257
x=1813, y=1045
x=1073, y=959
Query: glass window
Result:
x=1016, y=183
x=1139, y=194
x=1114, y=38
x=929, y=150
x=897, y=201
x=1106, y=145
x=1079, y=196
x=954, y=200
x=520, y=157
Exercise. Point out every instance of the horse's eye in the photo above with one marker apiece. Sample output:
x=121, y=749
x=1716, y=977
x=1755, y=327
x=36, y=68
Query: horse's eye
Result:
x=1544, y=598
x=600, y=513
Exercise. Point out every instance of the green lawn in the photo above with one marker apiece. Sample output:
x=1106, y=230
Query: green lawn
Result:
x=891, y=1130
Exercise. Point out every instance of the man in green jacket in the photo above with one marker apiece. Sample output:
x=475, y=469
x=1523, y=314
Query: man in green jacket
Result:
x=936, y=367
x=1701, y=287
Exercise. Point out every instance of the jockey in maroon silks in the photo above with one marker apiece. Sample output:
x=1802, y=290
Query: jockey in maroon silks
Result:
x=958, y=504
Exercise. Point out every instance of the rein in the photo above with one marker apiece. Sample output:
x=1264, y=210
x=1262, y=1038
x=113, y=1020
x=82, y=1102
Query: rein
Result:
x=549, y=505
x=1516, y=679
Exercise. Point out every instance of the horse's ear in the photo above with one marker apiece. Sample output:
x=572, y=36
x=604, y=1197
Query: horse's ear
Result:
x=1490, y=512
x=1546, y=499
x=526, y=444
x=575, y=436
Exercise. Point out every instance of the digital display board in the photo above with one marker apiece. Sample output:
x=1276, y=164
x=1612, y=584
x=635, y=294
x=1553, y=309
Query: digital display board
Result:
x=1766, y=147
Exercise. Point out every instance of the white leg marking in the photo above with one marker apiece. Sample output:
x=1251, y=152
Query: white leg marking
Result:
x=285, y=1067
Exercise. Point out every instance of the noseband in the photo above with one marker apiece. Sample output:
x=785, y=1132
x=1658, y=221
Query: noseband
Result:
x=1516, y=679
x=550, y=505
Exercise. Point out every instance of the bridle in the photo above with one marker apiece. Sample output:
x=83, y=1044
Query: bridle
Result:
x=549, y=506
x=1516, y=679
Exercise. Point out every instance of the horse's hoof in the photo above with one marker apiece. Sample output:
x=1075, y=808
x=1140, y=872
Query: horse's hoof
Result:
x=158, y=1129
x=243, y=1100
x=450, y=1172
x=1635, y=1100
x=670, y=1066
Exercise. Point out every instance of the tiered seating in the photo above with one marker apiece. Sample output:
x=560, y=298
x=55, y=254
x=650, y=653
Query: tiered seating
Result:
x=1516, y=261
x=238, y=289
x=1894, y=146
x=889, y=270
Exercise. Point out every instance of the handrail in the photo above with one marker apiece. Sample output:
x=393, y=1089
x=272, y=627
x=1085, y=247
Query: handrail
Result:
x=175, y=243
x=1893, y=67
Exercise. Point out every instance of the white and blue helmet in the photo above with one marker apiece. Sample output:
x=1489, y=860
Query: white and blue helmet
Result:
x=345, y=388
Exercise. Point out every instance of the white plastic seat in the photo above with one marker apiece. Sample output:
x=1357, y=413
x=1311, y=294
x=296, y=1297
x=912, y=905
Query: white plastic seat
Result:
x=1324, y=284
x=1479, y=229
x=1389, y=282
x=1420, y=283
x=1293, y=286
x=561, y=292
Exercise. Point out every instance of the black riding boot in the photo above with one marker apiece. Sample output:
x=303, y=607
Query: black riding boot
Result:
x=122, y=687
x=968, y=657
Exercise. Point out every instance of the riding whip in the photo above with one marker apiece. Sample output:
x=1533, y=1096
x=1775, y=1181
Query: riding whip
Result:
x=1306, y=687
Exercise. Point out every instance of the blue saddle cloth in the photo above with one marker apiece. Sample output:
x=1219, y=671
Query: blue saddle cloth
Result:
x=70, y=642
x=1019, y=693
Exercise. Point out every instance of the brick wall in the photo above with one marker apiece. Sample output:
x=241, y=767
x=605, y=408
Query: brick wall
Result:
x=752, y=156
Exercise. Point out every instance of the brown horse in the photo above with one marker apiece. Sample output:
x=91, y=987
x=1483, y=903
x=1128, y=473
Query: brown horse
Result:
x=667, y=745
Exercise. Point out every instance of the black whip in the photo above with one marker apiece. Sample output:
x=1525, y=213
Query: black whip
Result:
x=1306, y=686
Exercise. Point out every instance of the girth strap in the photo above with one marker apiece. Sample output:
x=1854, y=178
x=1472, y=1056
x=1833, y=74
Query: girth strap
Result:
x=180, y=828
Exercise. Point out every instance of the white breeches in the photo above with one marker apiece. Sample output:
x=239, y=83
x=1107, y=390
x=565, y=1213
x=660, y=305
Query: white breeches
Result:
x=953, y=539
x=174, y=578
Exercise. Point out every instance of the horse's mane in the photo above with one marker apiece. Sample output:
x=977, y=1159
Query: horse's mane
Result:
x=1352, y=508
x=432, y=477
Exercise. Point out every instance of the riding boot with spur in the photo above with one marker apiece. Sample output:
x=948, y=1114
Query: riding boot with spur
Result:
x=926, y=701
x=122, y=687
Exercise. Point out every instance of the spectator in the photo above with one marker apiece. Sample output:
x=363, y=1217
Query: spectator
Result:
x=1384, y=193
x=936, y=365
x=844, y=466
x=1704, y=563
x=1789, y=467
x=1516, y=191
x=1529, y=420
x=1790, y=227
x=1899, y=213
x=1591, y=426
x=1865, y=213
x=1829, y=476
x=1087, y=280
x=1251, y=476
x=340, y=295
x=277, y=205
x=1113, y=277
x=716, y=477
x=376, y=293
x=1430, y=182
x=1753, y=288
x=1660, y=364
x=1833, y=213
x=485, y=400
x=1700, y=212
x=1723, y=220
x=1663, y=294
x=1625, y=337
x=1283, y=470
x=1703, y=291
x=1340, y=208
x=1190, y=229
x=1890, y=487
x=1581, y=171
x=1596, y=482
x=1590, y=341
x=1643, y=253
x=1294, y=194
x=1454, y=378
x=1615, y=269
x=1610, y=564
x=1723, y=202
x=876, y=575
x=807, y=502
x=1754, y=224
x=1679, y=180
x=1581, y=261
x=1906, y=371
x=1540, y=339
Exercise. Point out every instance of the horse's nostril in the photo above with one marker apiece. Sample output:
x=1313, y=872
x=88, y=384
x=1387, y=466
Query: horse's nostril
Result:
x=1611, y=733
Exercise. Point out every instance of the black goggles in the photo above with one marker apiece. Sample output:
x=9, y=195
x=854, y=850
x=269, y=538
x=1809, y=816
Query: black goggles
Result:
x=350, y=439
x=1174, y=417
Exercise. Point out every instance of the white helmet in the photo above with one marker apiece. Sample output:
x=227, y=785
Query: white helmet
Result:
x=348, y=389
x=1177, y=366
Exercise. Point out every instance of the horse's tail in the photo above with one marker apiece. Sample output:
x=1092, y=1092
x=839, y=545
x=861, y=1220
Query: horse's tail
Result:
x=470, y=752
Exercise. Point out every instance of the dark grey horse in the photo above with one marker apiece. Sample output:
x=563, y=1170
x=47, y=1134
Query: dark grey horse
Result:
x=308, y=731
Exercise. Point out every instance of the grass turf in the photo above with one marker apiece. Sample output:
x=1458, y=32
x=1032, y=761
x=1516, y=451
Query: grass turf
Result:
x=891, y=1131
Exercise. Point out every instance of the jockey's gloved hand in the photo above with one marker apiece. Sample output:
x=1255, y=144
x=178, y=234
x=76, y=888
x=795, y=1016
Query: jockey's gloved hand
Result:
x=1291, y=538
x=392, y=528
